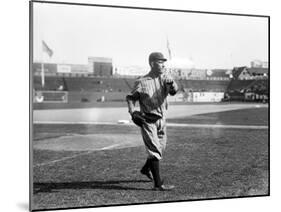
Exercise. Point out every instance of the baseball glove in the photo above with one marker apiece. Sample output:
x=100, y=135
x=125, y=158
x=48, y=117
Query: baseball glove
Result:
x=151, y=118
x=138, y=118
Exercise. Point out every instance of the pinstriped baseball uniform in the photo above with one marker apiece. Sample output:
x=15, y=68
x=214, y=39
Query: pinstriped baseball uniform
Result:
x=151, y=91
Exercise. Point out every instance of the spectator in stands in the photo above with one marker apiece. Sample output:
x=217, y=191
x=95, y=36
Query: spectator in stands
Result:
x=151, y=92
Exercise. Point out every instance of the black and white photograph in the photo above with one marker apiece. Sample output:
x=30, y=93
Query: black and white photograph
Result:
x=138, y=105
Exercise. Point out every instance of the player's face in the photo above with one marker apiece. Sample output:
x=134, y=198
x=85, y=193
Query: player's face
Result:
x=158, y=66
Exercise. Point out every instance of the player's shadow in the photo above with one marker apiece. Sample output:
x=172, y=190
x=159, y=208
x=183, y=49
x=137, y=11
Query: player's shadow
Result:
x=111, y=185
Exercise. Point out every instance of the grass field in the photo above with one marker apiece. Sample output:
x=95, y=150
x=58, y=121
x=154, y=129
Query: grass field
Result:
x=202, y=163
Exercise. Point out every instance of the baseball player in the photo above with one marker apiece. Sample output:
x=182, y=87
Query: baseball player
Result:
x=151, y=92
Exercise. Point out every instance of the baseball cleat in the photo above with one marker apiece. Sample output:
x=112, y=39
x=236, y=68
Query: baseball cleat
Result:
x=146, y=173
x=164, y=188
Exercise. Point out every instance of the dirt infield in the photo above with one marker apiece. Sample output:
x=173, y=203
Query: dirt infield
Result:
x=114, y=114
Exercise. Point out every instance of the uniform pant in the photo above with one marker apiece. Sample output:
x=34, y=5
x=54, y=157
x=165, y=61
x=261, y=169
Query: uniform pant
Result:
x=155, y=138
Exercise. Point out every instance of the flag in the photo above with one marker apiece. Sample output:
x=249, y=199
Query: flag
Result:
x=169, y=50
x=47, y=49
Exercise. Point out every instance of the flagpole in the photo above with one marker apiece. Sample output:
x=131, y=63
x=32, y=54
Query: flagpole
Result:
x=42, y=72
x=169, y=49
x=42, y=75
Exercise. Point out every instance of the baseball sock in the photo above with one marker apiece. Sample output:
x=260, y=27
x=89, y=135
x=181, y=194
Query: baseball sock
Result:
x=147, y=165
x=156, y=172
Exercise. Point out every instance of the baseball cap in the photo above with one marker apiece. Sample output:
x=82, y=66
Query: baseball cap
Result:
x=156, y=56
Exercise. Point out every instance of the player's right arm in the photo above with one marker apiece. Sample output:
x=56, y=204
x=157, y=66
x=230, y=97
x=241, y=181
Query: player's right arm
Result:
x=133, y=97
x=131, y=101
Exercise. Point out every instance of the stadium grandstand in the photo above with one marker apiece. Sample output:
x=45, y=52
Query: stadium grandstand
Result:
x=203, y=85
x=248, y=90
x=67, y=83
x=248, y=84
x=90, y=83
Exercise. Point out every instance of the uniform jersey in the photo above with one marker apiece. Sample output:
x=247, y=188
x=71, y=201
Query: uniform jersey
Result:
x=152, y=92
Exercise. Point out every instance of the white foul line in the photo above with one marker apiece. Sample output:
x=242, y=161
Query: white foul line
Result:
x=74, y=156
x=110, y=147
x=62, y=159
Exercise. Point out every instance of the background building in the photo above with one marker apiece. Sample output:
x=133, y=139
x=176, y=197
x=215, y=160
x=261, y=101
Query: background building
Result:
x=100, y=66
x=259, y=64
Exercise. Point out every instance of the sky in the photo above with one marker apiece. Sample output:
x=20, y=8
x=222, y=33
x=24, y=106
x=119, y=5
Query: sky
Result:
x=128, y=36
